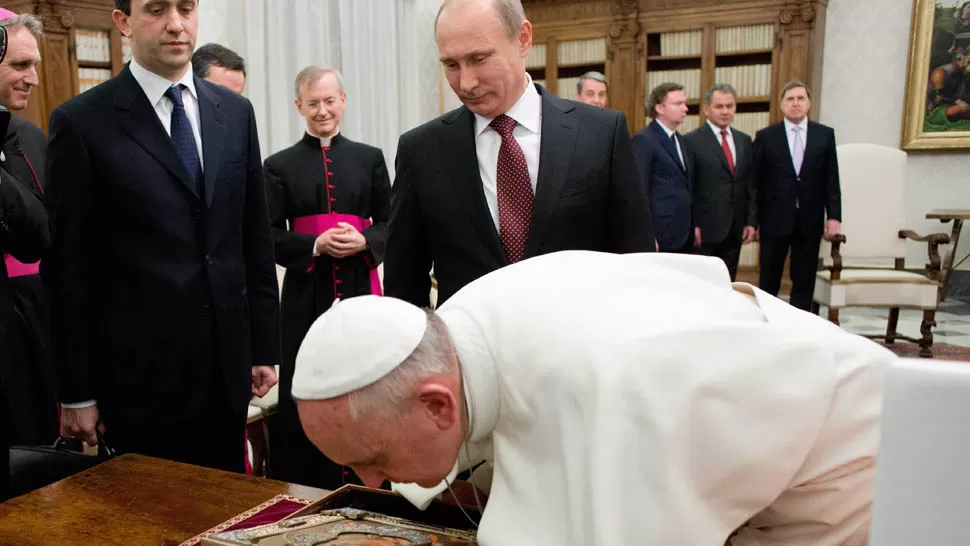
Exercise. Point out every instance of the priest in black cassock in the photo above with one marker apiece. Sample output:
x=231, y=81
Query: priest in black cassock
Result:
x=329, y=200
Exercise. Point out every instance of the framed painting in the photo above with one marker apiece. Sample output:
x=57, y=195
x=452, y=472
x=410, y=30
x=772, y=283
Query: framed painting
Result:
x=936, y=114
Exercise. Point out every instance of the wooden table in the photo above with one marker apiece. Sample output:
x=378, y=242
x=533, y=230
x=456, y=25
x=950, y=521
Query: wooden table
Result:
x=944, y=216
x=135, y=500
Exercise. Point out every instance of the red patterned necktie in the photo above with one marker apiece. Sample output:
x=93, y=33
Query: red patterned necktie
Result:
x=514, y=191
x=727, y=150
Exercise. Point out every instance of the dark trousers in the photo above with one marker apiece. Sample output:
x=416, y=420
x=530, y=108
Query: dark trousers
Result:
x=728, y=250
x=804, y=263
x=214, y=439
x=294, y=459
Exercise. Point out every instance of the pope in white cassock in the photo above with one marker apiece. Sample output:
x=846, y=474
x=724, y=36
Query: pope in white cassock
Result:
x=673, y=409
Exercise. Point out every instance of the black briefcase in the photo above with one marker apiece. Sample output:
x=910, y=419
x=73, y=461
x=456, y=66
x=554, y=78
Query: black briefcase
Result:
x=33, y=467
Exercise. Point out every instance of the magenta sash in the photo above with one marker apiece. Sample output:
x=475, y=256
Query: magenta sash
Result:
x=318, y=223
x=16, y=268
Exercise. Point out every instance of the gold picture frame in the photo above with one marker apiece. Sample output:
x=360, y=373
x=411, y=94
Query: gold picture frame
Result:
x=936, y=113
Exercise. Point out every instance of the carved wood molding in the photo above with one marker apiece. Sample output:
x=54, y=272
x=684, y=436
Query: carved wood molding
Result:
x=804, y=12
x=56, y=18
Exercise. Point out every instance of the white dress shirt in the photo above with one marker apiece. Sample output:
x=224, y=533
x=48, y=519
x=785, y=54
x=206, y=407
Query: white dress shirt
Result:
x=527, y=113
x=730, y=139
x=155, y=87
x=791, y=138
x=680, y=152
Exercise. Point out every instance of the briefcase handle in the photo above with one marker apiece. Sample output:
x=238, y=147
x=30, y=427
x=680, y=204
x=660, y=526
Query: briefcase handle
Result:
x=104, y=450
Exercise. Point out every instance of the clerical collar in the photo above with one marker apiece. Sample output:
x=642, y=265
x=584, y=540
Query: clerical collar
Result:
x=319, y=142
x=480, y=380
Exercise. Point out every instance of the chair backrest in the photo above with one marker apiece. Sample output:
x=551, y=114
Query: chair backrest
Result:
x=873, y=181
x=922, y=470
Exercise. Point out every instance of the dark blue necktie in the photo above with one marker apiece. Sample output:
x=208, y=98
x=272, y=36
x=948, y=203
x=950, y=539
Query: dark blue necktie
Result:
x=184, y=140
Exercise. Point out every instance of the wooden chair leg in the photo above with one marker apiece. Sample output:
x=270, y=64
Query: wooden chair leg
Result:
x=926, y=328
x=834, y=315
x=891, y=327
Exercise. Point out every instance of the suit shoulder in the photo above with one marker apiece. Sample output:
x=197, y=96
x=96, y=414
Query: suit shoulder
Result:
x=428, y=129
x=93, y=101
x=27, y=130
x=768, y=130
x=820, y=127
x=226, y=96
x=741, y=134
x=696, y=133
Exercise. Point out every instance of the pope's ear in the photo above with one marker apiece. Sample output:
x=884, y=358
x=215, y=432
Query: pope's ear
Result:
x=440, y=405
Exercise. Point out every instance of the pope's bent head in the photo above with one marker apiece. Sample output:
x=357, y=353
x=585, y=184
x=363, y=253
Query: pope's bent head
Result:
x=378, y=389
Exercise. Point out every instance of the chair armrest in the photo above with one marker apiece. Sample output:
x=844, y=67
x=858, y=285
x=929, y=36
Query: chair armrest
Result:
x=933, y=241
x=836, y=267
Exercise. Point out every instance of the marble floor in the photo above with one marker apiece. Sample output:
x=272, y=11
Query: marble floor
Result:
x=952, y=319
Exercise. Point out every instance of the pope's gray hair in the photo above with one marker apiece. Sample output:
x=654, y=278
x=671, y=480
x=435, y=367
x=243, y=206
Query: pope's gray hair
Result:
x=389, y=397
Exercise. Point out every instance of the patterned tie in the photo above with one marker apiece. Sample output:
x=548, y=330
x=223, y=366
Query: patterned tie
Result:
x=514, y=191
x=727, y=150
x=798, y=149
x=183, y=139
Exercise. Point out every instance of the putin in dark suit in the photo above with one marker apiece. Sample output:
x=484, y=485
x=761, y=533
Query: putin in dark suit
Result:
x=724, y=205
x=514, y=173
x=665, y=170
x=165, y=302
x=799, y=197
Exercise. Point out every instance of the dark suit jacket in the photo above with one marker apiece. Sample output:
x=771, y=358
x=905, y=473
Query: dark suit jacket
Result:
x=588, y=197
x=667, y=184
x=816, y=188
x=162, y=298
x=722, y=200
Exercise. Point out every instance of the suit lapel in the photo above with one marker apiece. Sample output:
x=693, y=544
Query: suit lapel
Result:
x=811, y=140
x=140, y=121
x=740, y=149
x=668, y=144
x=715, y=142
x=213, y=136
x=782, y=140
x=457, y=146
x=559, y=132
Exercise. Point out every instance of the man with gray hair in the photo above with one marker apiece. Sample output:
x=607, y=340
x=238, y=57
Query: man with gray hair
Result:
x=29, y=380
x=675, y=409
x=329, y=200
x=592, y=89
x=516, y=172
x=724, y=195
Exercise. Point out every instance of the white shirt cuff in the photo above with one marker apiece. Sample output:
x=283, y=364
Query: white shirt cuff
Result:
x=79, y=405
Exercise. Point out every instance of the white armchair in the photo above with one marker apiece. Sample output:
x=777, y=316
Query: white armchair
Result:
x=869, y=270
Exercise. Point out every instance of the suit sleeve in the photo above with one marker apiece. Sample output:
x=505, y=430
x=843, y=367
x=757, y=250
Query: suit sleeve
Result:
x=262, y=288
x=407, y=264
x=750, y=188
x=24, y=227
x=757, y=182
x=293, y=250
x=833, y=189
x=643, y=156
x=71, y=202
x=631, y=227
x=380, y=211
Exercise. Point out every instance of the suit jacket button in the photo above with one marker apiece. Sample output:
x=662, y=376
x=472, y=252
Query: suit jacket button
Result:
x=209, y=260
x=197, y=214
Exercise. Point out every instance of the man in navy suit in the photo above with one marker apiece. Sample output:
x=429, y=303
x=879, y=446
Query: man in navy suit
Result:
x=165, y=302
x=665, y=170
x=798, y=193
